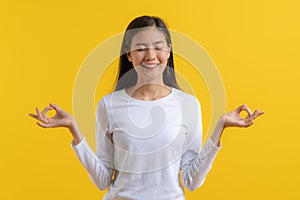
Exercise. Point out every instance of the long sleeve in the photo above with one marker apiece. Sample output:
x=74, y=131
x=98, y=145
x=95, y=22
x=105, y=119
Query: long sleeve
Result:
x=196, y=161
x=100, y=165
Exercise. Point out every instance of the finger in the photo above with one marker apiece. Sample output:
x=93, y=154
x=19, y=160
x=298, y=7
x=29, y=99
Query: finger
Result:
x=244, y=107
x=257, y=113
x=42, y=125
x=45, y=125
x=248, y=110
x=243, y=124
x=40, y=117
x=45, y=111
x=240, y=108
x=56, y=107
x=38, y=114
x=249, y=118
x=248, y=124
x=33, y=115
x=261, y=113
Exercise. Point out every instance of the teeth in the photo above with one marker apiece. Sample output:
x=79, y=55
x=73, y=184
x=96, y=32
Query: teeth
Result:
x=150, y=65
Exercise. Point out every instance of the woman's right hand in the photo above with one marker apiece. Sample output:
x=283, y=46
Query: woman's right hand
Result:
x=60, y=119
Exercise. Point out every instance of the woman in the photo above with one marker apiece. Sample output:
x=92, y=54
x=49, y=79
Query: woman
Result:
x=148, y=130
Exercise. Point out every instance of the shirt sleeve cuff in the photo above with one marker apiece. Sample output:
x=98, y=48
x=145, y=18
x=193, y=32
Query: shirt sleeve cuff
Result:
x=213, y=144
x=79, y=145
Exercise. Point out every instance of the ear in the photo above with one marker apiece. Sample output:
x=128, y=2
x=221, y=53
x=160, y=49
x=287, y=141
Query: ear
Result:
x=128, y=56
x=169, y=50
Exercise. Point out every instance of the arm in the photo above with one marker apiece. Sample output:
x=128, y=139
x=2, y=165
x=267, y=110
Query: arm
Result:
x=100, y=165
x=196, y=161
x=99, y=171
x=195, y=166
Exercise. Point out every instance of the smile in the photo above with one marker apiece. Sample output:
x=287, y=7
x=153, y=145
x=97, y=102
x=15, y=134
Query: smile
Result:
x=150, y=66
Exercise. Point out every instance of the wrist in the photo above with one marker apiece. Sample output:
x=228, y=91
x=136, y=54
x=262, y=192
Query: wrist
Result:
x=71, y=124
x=221, y=123
x=73, y=128
x=217, y=133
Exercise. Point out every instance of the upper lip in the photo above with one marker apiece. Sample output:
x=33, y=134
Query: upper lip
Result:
x=150, y=63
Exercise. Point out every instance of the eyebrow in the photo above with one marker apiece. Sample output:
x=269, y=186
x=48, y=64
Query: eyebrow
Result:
x=157, y=42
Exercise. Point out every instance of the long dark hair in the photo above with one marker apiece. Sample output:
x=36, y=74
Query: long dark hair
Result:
x=127, y=76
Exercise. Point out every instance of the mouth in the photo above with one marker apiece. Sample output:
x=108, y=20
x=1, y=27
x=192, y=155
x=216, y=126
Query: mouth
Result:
x=150, y=66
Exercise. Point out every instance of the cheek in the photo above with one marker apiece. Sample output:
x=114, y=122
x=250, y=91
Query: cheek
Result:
x=135, y=57
x=163, y=56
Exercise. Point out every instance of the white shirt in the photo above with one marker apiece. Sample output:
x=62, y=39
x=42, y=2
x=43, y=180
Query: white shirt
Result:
x=141, y=147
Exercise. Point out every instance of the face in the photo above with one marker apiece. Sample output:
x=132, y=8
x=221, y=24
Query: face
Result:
x=149, y=53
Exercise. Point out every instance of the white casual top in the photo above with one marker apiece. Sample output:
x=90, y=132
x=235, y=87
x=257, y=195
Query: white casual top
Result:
x=141, y=147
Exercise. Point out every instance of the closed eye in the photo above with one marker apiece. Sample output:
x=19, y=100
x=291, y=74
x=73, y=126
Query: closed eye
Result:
x=141, y=49
x=145, y=49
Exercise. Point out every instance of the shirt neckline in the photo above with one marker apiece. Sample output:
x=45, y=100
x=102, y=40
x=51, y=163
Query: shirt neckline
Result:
x=149, y=101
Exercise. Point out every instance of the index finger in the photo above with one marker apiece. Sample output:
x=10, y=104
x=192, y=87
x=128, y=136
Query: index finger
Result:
x=245, y=108
x=45, y=111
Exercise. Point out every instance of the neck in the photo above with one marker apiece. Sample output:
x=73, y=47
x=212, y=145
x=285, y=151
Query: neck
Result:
x=149, y=91
x=151, y=87
x=147, y=81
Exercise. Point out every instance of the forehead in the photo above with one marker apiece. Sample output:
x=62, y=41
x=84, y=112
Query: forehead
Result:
x=148, y=35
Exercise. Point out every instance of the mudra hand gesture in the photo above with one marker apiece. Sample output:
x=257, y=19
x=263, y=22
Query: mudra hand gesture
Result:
x=60, y=119
x=233, y=118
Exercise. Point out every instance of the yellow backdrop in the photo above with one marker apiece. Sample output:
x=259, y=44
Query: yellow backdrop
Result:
x=254, y=43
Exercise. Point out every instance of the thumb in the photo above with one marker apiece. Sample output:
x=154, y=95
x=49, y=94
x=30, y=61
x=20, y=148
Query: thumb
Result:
x=56, y=107
x=240, y=108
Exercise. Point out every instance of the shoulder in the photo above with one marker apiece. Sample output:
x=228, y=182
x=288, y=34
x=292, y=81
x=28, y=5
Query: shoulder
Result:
x=188, y=102
x=186, y=97
x=106, y=100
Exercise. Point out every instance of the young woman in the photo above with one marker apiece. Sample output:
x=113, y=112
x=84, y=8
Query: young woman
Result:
x=148, y=130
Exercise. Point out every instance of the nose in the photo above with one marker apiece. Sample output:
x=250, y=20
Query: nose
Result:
x=150, y=54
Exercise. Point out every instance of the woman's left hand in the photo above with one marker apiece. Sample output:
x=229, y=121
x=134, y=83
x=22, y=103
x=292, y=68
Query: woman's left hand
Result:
x=233, y=118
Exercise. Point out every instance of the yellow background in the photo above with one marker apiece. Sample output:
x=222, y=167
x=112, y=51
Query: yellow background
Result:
x=255, y=45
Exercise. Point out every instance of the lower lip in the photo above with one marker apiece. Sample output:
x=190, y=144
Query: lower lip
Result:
x=150, y=68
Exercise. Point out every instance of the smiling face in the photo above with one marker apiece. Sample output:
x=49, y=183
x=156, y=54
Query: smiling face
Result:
x=149, y=53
